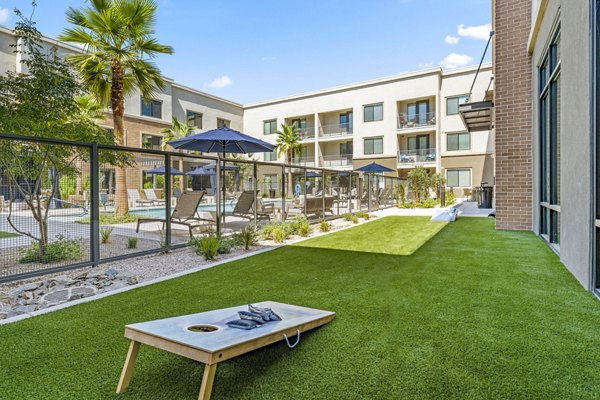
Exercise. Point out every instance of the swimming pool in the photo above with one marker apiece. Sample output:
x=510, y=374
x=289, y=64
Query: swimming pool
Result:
x=161, y=212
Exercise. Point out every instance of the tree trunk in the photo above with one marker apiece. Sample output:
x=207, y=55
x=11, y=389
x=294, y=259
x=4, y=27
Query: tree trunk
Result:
x=290, y=189
x=118, y=106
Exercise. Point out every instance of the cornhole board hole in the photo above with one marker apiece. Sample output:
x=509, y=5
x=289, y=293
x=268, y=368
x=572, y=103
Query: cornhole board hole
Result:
x=206, y=338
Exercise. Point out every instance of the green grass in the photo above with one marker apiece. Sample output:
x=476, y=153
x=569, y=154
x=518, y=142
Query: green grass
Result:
x=4, y=235
x=111, y=219
x=469, y=313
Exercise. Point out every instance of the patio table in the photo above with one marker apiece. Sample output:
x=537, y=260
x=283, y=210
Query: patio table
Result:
x=206, y=338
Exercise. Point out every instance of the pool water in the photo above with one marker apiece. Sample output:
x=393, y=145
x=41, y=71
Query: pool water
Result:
x=161, y=212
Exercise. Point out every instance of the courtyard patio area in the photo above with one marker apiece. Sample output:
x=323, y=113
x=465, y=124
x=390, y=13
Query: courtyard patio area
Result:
x=424, y=310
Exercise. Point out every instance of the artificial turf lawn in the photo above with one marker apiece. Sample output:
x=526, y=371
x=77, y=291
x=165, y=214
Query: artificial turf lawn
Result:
x=472, y=313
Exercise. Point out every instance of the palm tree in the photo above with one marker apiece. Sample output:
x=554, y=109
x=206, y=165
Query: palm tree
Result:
x=90, y=108
x=288, y=144
x=177, y=130
x=117, y=38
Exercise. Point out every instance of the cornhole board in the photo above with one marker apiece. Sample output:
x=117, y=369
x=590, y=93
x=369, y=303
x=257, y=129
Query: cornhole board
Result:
x=206, y=338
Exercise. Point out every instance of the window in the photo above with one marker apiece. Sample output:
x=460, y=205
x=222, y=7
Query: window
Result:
x=549, y=142
x=452, y=104
x=418, y=113
x=300, y=124
x=458, y=141
x=151, y=141
x=270, y=127
x=194, y=119
x=373, y=112
x=151, y=108
x=223, y=123
x=416, y=143
x=270, y=155
x=346, y=149
x=346, y=122
x=373, y=146
x=458, y=178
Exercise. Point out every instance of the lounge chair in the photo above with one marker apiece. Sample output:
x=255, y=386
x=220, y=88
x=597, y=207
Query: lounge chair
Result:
x=313, y=205
x=151, y=195
x=185, y=213
x=136, y=199
x=243, y=208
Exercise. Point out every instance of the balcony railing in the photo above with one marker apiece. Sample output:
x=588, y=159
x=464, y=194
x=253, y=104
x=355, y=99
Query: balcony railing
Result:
x=341, y=160
x=304, y=161
x=307, y=133
x=408, y=121
x=420, y=156
x=336, y=130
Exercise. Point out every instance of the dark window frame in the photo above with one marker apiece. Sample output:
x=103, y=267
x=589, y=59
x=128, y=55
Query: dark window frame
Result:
x=191, y=115
x=154, y=105
x=458, y=134
x=372, y=106
x=372, y=139
x=462, y=96
x=270, y=122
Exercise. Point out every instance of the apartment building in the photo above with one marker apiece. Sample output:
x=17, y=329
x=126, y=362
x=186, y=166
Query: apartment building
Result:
x=400, y=122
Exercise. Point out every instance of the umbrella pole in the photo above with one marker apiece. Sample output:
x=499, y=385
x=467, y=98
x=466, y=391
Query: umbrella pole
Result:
x=223, y=184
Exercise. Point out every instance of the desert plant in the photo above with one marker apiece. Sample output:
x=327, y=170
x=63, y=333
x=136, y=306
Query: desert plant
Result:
x=354, y=219
x=299, y=226
x=105, y=235
x=266, y=232
x=450, y=198
x=347, y=217
x=61, y=249
x=305, y=229
x=132, y=242
x=279, y=234
x=226, y=245
x=325, y=226
x=247, y=237
x=208, y=246
x=401, y=194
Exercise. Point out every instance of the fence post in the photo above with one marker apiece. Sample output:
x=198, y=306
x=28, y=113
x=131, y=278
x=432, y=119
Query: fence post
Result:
x=168, y=200
x=94, y=205
x=305, y=194
x=218, y=194
x=323, y=193
x=255, y=188
x=283, y=185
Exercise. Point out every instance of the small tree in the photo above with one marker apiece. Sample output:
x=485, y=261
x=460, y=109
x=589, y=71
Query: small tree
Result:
x=419, y=182
x=437, y=181
x=177, y=130
x=288, y=144
x=46, y=101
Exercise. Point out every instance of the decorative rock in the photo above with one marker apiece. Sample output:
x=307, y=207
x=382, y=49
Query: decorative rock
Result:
x=132, y=280
x=81, y=277
x=3, y=315
x=28, y=287
x=111, y=273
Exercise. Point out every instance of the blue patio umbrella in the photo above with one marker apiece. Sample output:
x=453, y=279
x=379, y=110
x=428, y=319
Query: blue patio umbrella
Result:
x=222, y=140
x=200, y=171
x=313, y=174
x=374, y=167
x=162, y=170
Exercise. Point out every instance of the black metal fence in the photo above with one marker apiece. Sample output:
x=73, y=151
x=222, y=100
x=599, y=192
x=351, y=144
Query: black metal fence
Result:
x=65, y=205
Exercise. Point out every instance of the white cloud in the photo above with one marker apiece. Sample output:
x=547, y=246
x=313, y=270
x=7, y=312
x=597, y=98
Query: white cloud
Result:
x=426, y=65
x=4, y=15
x=481, y=32
x=451, y=39
x=221, y=82
x=454, y=60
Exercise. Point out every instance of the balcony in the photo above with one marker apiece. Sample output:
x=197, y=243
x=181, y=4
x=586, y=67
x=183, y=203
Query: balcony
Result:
x=304, y=161
x=416, y=157
x=410, y=121
x=340, y=160
x=335, y=130
x=307, y=133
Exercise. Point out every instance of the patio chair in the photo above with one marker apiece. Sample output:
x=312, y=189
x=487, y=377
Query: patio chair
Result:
x=243, y=207
x=185, y=213
x=151, y=195
x=136, y=199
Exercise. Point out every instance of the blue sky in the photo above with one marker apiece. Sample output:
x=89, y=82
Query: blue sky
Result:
x=249, y=51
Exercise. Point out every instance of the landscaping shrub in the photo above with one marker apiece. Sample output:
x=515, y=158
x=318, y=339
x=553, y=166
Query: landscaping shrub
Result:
x=105, y=235
x=354, y=219
x=429, y=203
x=279, y=234
x=347, y=217
x=208, y=246
x=450, y=198
x=61, y=249
x=247, y=237
x=132, y=242
x=299, y=226
x=226, y=245
x=362, y=214
x=111, y=219
x=266, y=232
x=325, y=226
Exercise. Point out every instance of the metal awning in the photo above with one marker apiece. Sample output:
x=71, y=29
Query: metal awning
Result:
x=477, y=115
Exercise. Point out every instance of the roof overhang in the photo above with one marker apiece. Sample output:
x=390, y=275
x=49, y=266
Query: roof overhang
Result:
x=477, y=116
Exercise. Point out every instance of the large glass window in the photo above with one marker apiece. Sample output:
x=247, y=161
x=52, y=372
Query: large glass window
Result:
x=151, y=141
x=373, y=146
x=549, y=142
x=346, y=149
x=271, y=155
x=373, y=112
x=194, y=119
x=269, y=127
x=151, y=108
x=458, y=141
x=346, y=121
x=223, y=123
x=458, y=178
x=452, y=104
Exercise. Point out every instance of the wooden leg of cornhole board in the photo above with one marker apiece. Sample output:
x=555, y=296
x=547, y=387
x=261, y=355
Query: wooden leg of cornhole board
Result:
x=207, y=381
x=128, y=367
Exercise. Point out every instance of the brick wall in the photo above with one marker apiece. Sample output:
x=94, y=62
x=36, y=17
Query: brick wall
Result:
x=513, y=118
